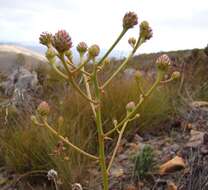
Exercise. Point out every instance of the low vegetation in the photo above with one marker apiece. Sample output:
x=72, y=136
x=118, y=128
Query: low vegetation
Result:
x=144, y=162
x=27, y=147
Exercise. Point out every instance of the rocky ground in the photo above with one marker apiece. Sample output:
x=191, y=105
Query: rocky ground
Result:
x=176, y=158
x=180, y=156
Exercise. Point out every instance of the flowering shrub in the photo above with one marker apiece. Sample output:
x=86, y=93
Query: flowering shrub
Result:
x=59, y=48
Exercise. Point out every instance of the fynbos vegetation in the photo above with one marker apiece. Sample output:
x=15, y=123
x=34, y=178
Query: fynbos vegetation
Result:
x=59, y=52
x=144, y=162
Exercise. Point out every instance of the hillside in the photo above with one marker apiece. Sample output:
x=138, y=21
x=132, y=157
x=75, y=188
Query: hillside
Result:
x=172, y=125
x=12, y=57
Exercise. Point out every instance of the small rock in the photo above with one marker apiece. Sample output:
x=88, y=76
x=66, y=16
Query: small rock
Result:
x=117, y=172
x=138, y=138
x=122, y=157
x=175, y=164
x=171, y=186
x=140, y=185
x=205, y=140
x=134, y=147
x=188, y=126
x=198, y=104
x=175, y=147
x=197, y=138
x=204, y=150
x=131, y=187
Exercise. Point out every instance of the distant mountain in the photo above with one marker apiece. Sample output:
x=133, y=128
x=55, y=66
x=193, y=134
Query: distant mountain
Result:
x=12, y=57
x=34, y=47
x=41, y=49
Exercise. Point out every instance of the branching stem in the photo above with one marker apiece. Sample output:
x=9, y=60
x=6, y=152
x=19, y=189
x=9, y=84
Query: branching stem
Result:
x=139, y=42
x=87, y=86
x=67, y=141
x=117, y=145
x=73, y=83
x=101, y=139
x=112, y=47
x=142, y=98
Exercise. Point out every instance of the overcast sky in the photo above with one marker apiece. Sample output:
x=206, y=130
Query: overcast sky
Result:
x=177, y=24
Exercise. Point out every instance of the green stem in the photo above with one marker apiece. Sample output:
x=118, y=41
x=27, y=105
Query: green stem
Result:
x=117, y=71
x=60, y=73
x=74, y=67
x=101, y=150
x=101, y=140
x=141, y=101
x=71, y=80
x=77, y=88
x=114, y=44
x=117, y=145
x=139, y=42
x=87, y=86
x=83, y=63
x=65, y=65
x=67, y=141
x=54, y=67
x=167, y=81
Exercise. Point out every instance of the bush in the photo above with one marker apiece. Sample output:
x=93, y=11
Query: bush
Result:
x=144, y=162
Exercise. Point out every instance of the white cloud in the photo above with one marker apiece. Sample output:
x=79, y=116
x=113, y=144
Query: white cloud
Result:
x=176, y=24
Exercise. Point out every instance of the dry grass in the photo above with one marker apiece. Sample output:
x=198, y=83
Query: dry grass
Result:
x=26, y=147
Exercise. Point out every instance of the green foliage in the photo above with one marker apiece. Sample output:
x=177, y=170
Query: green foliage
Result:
x=144, y=162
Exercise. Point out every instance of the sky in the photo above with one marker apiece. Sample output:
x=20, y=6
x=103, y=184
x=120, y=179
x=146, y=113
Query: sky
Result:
x=176, y=24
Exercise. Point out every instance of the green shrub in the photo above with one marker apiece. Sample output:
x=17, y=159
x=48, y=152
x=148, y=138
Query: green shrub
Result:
x=144, y=162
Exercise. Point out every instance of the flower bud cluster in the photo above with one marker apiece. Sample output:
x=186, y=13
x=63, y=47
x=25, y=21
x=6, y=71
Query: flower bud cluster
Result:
x=82, y=48
x=145, y=31
x=175, y=75
x=52, y=174
x=61, y=41
x=130, y=19
x=130, y=106
x=50, y=53
x=93, y=51
x=46, y=38
x=43, y=109
x=163, y=62
x=132, y=41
